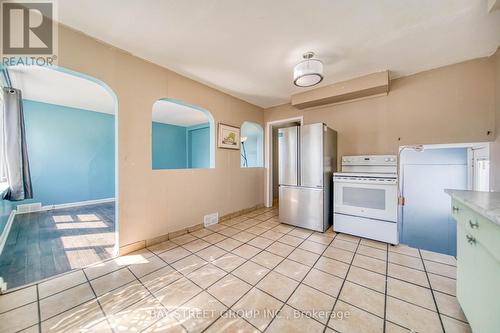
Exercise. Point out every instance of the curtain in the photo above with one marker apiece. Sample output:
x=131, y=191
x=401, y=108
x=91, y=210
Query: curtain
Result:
x=15, y=152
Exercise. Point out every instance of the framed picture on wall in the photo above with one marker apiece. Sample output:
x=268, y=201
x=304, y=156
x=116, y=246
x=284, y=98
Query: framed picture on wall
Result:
x=228, y=137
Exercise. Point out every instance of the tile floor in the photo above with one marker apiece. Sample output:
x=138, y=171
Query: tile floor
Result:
x=248, y=274
x=47, y=243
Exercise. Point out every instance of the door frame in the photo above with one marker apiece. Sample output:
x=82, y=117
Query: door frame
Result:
x=268, y=188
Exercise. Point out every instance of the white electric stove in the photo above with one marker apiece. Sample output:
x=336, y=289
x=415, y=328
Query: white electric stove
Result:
x=366, y=197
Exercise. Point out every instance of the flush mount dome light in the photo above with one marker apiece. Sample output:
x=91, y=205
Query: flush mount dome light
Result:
x=308, y=72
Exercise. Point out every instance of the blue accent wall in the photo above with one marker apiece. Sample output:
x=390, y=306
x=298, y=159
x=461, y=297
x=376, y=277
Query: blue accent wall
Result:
x=169, y=146
x=71, y=153
x=178, y=147
x=199, y=146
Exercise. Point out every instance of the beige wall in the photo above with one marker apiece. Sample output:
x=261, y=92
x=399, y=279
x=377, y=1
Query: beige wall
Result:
x=451, y=104
x=495, y=147
x=153, y=203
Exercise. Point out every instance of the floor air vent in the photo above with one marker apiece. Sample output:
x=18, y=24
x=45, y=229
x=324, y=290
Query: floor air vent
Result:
x=211, y=219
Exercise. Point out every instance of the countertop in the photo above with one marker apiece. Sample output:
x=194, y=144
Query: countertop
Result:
x=484, y=203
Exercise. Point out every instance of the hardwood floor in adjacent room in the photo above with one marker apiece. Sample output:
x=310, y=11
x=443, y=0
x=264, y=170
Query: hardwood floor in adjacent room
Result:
x=47, y=243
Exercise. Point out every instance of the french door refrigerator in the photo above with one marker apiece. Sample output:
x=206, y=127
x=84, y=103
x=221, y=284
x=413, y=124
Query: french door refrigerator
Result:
x=307, y=160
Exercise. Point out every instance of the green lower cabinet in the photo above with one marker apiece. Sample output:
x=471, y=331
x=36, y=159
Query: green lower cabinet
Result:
x=478, y=280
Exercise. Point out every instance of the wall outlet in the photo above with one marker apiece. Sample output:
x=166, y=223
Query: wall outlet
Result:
x=28, y=208
x=211, y=219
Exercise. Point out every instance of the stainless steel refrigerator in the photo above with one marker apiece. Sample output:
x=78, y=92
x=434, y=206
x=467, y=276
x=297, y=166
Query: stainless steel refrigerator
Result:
x=307, y=160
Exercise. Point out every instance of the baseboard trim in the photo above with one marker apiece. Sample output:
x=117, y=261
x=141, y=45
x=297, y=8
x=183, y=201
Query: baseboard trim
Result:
x=6, y=230
x=139, y=245
x=71, y=205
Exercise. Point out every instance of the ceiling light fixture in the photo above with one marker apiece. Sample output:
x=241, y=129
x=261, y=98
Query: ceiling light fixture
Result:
x=308, y=72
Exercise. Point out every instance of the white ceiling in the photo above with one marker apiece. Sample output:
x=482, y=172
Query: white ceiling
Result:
x=168, y=112
x=50, y=86
x=248, y=48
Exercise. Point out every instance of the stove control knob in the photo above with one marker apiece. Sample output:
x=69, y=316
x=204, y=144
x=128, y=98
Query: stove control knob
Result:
x=386, y=159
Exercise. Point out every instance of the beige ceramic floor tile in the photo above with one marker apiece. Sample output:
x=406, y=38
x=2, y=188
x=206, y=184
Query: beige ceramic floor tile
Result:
x=167, y=324
x=118, y=299
x=250, y=272
x=313, y=247
x=328, y=284
x=312, y=302
x=405, y=249
x=206, y=275
x=231, y=324
x=304, y=257
x=196, y=245
x=410, y=293
x=332, y=266
x=320, y=238
x=289, y=321
x=211, y=253
x=214, y=238
x=258, y=303
x=412, y=316
x=17, y=298
x=408, y=261
x=111, y=281
x=199, y=312
x=160, y=278
x=188, y=264
x=349, y=238
x=291, y=240
x=60, y=283
x=228, y=262
x=292, y=269
x=244, y=236
x=443, y=284
x=448, y=305
x=280, y=249
x=201, y=233
x=147, y=266
x=339, y=254
x=349, y=319
x=408, y=274
x=267, y=259
x=176, y=293
x=256, y=230
x=260, y=242
x=229, y=231
x=455, y=326
x=229, y=244
x=393, y=328
x=277, y=285
x=372, y=252
x=162, y=247
x=138, y=316
x=19, y=318
x=301, y=233
x=441, y=269
x=32, y=329
x=273, y=235
x=65, y=300
x=87, y=317
x=344, y=245
x=439, y=257
x=246, y=251
x=184, y=239
x=102, y=268
x=229, y=289
x=369, y=263
x=364, y=298
x=374, y=243
x=367, y=278
x=174, y=255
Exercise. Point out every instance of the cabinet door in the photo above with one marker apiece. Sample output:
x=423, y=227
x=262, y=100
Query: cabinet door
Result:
x=478, y=287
